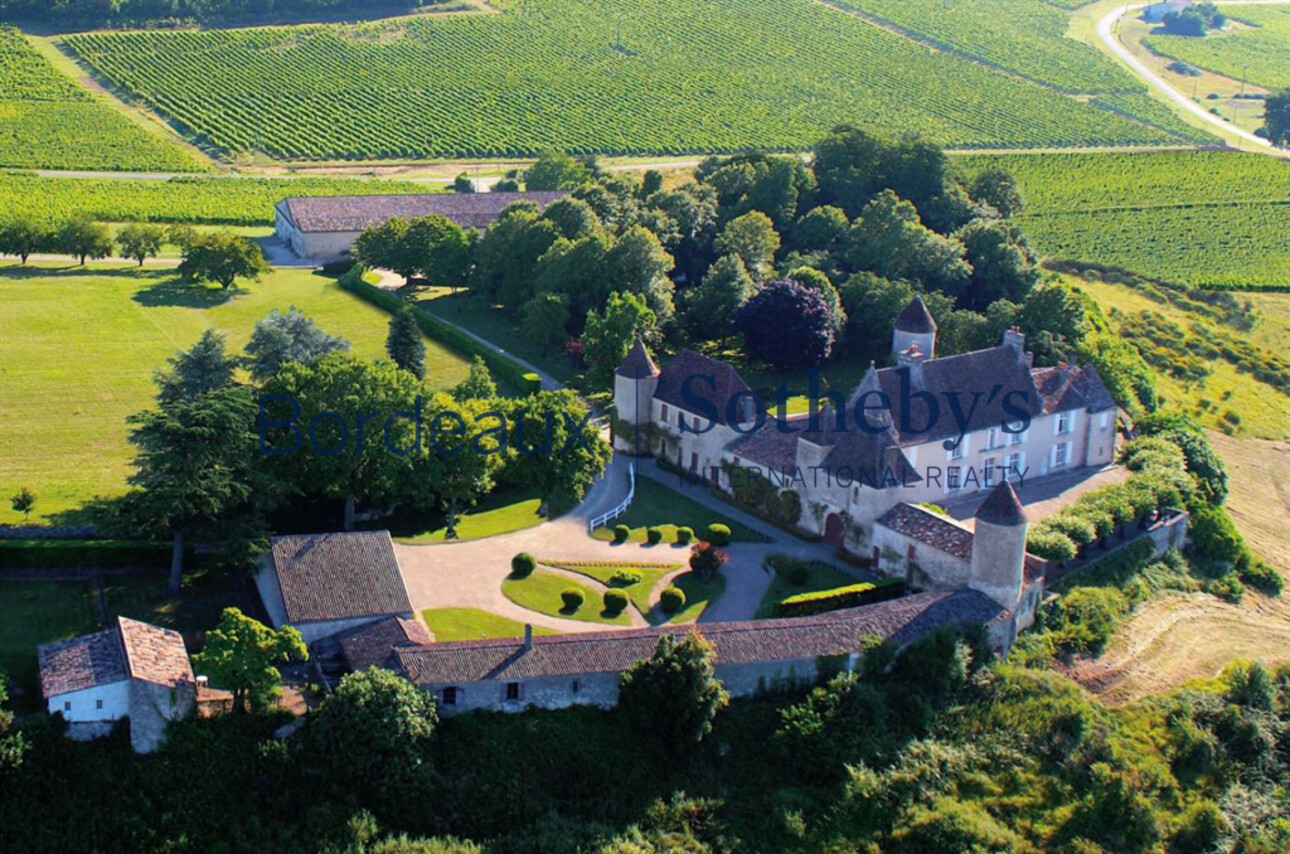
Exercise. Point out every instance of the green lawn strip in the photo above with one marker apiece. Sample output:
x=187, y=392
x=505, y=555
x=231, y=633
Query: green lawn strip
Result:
x=820, y=576
x=35, y=612
x=541, y=592
x=656, y=504
x=495, y=326
x=454, y=624
x=500, y=513
x=641, y=592
x=698, y=595
x=79, y=346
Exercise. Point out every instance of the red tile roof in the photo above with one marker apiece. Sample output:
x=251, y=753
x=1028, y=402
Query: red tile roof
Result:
x=128, y=650
x=840, y=632
x=926, y=527
x=338, y=576
x=373, y=645
x=725, y=384
x=355, y=213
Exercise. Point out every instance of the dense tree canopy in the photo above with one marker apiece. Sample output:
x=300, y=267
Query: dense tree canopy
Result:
x=787, y=325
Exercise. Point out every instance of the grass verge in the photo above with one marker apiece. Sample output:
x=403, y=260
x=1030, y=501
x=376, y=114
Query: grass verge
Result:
x=454, y=624
x=541, y=592
x=641, y=593
x=656, y=504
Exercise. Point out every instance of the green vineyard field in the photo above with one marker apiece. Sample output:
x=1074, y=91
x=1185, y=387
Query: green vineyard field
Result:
x=652, y=77
x=221, y=201
x=1027, y=37
x=48, y=122
x=1261, y=55
x=1208, y=219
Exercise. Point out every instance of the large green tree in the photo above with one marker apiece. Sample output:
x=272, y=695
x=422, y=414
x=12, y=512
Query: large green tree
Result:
x=384, y=246
x=674, y=694
x=753, y=238
x=197, y=471
x=1002, y=263
x=23, y=237
x=546, y=318
x=507, y=255
x=466, y=445
x=202, y=368
x=223, y=258
x=439, y=249
x=637, y=263
x=280, y=337
x=890, y=240
x=709, y=308
x=555, y=170
x=1276, y=117
x=610, y=333
x=555, y=447
x=82, y=237
x=239, y=655
x=327, y=426
x=140, y=241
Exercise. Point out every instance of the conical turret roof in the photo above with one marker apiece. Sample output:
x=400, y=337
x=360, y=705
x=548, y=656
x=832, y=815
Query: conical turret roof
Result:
x=916, y=318
x=1002, y=507
x=638, y=365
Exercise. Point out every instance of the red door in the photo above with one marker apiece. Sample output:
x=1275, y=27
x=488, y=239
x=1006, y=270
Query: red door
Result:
x=833, y=530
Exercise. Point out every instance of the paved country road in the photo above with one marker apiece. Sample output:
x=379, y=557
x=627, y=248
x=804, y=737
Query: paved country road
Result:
x=1105, y=29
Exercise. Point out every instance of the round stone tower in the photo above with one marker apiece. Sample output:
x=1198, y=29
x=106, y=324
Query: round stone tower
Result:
x=635, y=382
x=999, y=547
x=915, y=326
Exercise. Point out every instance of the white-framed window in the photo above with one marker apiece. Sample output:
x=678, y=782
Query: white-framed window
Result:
x=1102, y=419
x=987, y=472
x=953, y=477
x=992, y=439
x=1018, y=435
x=1013, y=471
x=1063, y=423
x=956, y=453
x=664, y=414
x=1060, y=454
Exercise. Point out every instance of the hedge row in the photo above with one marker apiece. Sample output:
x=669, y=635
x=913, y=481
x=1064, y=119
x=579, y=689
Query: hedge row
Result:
x=806, y=604
x=503, y=368
x=82, y=554
x=1115, y=568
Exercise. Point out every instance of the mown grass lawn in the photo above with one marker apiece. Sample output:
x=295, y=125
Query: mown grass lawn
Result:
x=656, y=504
x=492, y=324
x=541, y=592
x=453, y=624
x=79, y=346
x=35, y=612
x=500, y=513
x=820, y=576
x=699, y=594
x=641, y=593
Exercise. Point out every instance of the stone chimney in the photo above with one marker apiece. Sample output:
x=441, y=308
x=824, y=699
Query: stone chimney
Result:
x=912, y=359
x=528, y=638
x=1014, y=339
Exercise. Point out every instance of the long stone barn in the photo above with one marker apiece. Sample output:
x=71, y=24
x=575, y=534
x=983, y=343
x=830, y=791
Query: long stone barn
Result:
x=556, y=671
x=324, y=228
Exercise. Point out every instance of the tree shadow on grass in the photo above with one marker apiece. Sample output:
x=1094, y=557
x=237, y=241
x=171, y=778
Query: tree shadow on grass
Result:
x=176, y=292
x=74, y=270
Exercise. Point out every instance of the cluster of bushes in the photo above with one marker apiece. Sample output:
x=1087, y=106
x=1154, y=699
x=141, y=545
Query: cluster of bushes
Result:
x=626, y=577
x=806, y=604
x=502, y=367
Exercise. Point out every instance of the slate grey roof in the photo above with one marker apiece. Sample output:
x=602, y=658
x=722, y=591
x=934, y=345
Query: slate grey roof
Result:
x=916, y=318
x=901, y=620
x=1002, y=506
x=726, y=382
x=338, y=576
x=638, y=363
x=355, y=213
x=924, y=526
x=373, y=645
x=129, y=650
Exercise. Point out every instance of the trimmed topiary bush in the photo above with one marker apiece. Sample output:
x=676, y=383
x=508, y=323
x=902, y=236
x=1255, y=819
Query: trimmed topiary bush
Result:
x=820, y=602
x=684, y=535
x=626, y=577
x=572, y=598
x=615, y=601
x=621, y=533
x=719, y=535
x=672, y=599
x=523, y=564
x=654, y=534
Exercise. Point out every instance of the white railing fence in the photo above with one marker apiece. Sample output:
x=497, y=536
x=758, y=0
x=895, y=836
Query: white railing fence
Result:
x=621, y=508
